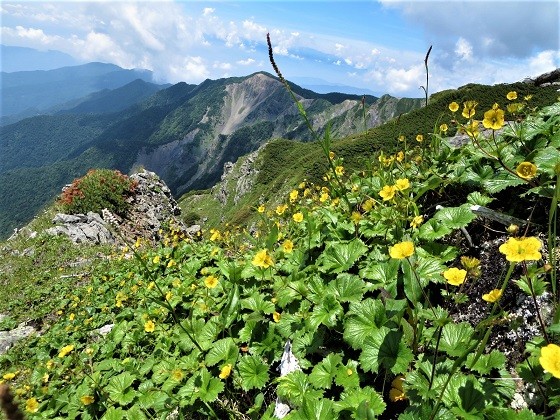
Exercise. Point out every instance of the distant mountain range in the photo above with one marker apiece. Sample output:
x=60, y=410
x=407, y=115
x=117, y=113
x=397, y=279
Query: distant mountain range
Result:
x=29, y=93
x=94, y=115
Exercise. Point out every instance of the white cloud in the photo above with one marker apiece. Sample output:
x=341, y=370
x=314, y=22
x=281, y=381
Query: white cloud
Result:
x=208, y=11
x=246, y=62
x=463, y=49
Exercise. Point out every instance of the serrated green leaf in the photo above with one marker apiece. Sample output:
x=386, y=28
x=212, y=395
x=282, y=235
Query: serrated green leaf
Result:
x=347, y=287
x=253, y=372
x=433, y=229
x=313, y=409
x=223, y=350
x=385, y=348
x=501, y=181
x=455, y=217
x=363, y=319
x=153, y=399
x=325, y=371
x=113, y=413
x=257, y=303
x=295, y=387
x=546, y=160
x=383, y=275
x=478, y=198
x=455, y=338
x=119, y=388
x=137, y=412
x=208, y=387
x=486, y=362
x=360, y=401
x=340, y=256
x=327, y=312
x=347, y=375
x=501, y=413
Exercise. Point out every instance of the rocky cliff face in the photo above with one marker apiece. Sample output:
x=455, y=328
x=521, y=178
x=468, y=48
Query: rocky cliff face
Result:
x=249, y=113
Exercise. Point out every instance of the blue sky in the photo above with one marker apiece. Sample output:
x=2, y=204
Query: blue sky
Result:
x=374, y=45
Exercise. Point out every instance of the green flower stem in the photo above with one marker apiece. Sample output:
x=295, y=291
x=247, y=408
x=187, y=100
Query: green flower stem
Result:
x=543, y=327
x=324, y=142
x=551, y=242
x=440, y=331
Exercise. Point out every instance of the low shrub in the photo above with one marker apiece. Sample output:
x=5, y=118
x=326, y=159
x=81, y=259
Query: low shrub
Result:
x=98, y=189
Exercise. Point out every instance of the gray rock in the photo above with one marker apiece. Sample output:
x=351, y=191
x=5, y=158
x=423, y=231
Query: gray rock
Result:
x=9, y=338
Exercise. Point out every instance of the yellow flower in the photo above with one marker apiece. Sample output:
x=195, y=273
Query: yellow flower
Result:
x=262, y=259
x=512, y=95
x=261, y=208
x=399, y=156
x=171, y=263
x=324, y=197
x=149, y=326
x=288, y=246
x=401, y=250
x=356, y=217
x=9, y=376
x=168, y=296
x=49, y=364
x=468, y=109
x=453, y=107
x=550, y=359
x=455, y=276
x=32, y=405
x=494, y=119
x=276, y=316
x=87, y=399
x=226, y=371
x=472, y=128
x=177, y=374
x=65, y=350
x=72, y=316
x=402, y=184
x=419, y=138
x=526, y=170
x=293, y=195
x=156, y=259
x=298, y=217
x=402, y=138
x=397, y=393
x=211, y=282
x=368, y=204
x=472, y=265
x=514, y=107
x=331, y=155
x=281, y=209
x=387, y=192
x=492, y=296
x=524, y=249
x=443, y=128
x=417, y=221
x=45, y=378
x=216, y=235
x=339, y=170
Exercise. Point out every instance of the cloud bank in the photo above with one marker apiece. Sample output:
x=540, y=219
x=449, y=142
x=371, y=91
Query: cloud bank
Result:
x=474, y=41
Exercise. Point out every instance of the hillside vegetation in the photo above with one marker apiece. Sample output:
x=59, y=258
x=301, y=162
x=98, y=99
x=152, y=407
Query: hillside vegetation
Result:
x=184, y=132
x=367, y=263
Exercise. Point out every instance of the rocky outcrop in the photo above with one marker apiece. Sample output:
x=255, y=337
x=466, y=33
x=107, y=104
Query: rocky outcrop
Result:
x=82, y=228
x=238, y=177
x=8, y=338
x=151, y=207
x=546, y=79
